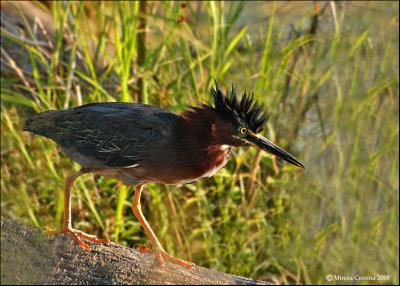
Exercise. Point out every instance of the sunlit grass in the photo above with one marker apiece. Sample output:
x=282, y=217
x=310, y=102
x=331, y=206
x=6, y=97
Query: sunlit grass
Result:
x=334, y=101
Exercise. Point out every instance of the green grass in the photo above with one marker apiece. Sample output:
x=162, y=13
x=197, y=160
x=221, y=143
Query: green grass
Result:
x=334, y=101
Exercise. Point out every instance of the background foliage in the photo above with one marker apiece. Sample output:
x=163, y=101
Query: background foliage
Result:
x=329, y=72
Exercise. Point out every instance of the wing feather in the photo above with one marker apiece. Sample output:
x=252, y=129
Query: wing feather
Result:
x=120, y=134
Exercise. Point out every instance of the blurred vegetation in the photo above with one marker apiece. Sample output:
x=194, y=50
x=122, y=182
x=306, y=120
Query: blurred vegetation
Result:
x=330, y=77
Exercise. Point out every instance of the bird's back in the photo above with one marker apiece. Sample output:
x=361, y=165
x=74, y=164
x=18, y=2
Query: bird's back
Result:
x=113, y=134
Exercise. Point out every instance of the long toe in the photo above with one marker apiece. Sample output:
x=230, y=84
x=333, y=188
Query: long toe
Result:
x=162, y=254
x=90, y=237
x=76, y=234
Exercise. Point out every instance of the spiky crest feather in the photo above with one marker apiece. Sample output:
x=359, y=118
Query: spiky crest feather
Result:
x=246, y=109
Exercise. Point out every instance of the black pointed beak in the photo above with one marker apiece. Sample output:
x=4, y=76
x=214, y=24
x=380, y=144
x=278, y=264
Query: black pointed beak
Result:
x=266, y=145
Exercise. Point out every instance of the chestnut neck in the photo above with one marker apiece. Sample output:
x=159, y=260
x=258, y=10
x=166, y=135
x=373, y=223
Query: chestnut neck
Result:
x=199, y=128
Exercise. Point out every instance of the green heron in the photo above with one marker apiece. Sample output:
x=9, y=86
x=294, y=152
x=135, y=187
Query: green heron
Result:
x=137, y=144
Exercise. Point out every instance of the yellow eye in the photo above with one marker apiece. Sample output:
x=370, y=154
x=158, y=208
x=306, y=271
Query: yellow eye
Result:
x=243, y=130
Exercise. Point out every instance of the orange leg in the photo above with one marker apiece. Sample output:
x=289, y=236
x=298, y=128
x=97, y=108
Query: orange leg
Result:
x=67, y=226
x=158, y=249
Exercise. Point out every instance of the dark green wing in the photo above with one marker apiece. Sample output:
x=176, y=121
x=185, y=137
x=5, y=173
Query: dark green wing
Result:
x=120, y=134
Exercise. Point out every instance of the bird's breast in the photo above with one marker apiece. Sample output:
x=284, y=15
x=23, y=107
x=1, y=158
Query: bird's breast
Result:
x=180, y=169
x=207, y=166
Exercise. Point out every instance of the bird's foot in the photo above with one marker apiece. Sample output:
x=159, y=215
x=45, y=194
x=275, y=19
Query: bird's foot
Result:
x=76, y=234
x=161, y=254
